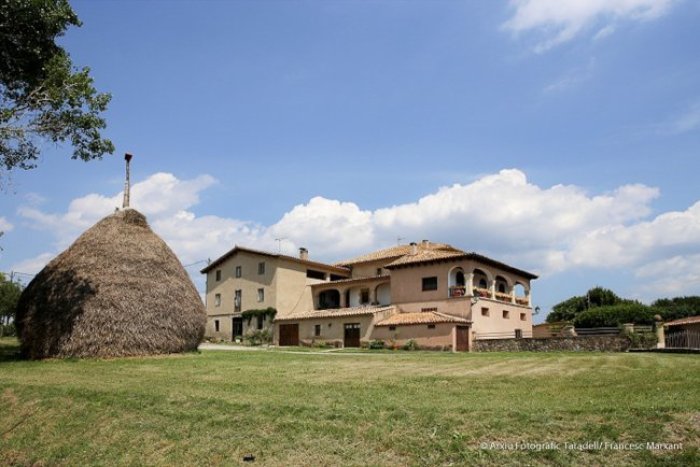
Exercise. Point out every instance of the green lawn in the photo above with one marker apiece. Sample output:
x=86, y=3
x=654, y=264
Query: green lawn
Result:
x=393, y=408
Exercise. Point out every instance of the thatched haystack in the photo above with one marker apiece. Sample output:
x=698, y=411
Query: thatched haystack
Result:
x=117, y=291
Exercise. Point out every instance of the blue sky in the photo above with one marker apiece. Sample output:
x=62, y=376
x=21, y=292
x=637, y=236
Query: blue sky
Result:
x=559, y=136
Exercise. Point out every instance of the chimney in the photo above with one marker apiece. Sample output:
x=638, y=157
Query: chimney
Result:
x=414, y=248
x=127, y=182
x=424, y=244
x=303, y=253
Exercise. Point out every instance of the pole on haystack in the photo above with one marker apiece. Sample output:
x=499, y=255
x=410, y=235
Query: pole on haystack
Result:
x=127, y=183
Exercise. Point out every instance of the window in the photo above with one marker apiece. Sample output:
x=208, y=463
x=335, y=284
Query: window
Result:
x=218, y=275
x=379, y=271
x=506, y=314
x=239, y=271
x=261, y=295
x=261, y=321
x=217, y=299
x=523, y=317
x=311, y=274
x=431, y=326
x=317, y=330
x=237, y=298
x=216, y=325
x=392, y=328
x=426, y=310
x=364, y=296
x=485, y=312
x=429, y=283
x=483, y=284
x=501, y=288
x=261, y=268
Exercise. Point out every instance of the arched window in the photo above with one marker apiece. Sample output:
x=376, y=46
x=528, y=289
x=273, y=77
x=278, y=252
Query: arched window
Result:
x=481, y=280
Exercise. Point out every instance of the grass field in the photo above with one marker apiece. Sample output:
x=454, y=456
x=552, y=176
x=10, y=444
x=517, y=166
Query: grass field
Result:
x=392, y=408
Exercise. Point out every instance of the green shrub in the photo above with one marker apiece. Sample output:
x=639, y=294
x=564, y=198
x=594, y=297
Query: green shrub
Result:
x=615, y=315
x=376, y=344
x=267, y=314
x=410, y=344
x=257, y=337
x=642, y=340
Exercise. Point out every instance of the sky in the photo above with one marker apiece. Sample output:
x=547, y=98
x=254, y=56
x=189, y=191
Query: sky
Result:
x=559, y=136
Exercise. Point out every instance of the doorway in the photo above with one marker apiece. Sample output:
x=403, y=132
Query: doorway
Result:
x=462, y=338
x=352, y=335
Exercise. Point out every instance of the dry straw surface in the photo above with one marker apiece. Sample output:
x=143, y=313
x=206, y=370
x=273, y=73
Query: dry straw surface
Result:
x=118, y=290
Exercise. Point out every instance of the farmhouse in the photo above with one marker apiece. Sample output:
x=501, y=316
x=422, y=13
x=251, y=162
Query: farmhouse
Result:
x=431, y=293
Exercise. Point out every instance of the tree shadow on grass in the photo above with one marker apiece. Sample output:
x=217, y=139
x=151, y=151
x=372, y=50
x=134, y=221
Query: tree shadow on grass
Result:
x=9, y=349
x=48, y=310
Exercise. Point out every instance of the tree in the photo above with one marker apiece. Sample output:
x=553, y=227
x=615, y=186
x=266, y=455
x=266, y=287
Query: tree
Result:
x=42, y=96
x=9, y=296
x=678, y=307
x=569, y=309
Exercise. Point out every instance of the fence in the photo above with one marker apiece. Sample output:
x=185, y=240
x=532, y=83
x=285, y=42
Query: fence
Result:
x=516, y=334
x=610, y=331
x=683, y=339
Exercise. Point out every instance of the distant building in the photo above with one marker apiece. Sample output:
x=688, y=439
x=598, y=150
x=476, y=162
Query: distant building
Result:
x=432, y=293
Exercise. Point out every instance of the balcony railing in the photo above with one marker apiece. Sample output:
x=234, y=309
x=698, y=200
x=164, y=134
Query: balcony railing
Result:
x=458, y=291
x=484, y=293
x=504, y=297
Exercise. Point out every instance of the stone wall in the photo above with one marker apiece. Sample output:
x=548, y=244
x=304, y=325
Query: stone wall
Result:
x=555, y=344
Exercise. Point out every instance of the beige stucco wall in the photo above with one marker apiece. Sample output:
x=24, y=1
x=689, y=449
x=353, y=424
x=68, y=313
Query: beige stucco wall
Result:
x=331, y=328
x=455, y=307
x=369, y=269
x=293, y=288
x=226, y=326
x=249, y=283
x=495, y=323
x=441, y=336
x=406, y=283
x=286, y=287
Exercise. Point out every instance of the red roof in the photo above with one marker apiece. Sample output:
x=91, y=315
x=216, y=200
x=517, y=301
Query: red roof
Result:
x=687, y=320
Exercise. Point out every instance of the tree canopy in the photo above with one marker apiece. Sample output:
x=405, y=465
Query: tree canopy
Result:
x=42, y=95
x=602, y=307
x=9, y=295
x=572, y=307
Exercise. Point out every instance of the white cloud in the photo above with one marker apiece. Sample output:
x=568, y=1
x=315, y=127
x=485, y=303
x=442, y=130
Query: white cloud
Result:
x=678, y=275
x=668, y=235
x=503, y=215
x=329, y=226
x=5, y=225
x=33, y=265
x=559, y=21
x=571, y=78
x=688, y=121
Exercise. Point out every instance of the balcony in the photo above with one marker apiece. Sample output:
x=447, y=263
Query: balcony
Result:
x=458, y=291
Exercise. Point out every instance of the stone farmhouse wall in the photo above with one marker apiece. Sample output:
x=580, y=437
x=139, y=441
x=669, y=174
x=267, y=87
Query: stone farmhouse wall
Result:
x=555, y=344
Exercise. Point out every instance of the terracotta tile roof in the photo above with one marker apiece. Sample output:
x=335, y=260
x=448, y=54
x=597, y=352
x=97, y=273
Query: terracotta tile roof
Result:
x=423, y=317
x=426, y=255
x=335, y=313
x=687, y=320
x=395, y=252
x=237, y=248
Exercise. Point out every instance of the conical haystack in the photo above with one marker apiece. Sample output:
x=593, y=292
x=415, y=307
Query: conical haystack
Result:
x=117, y=291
